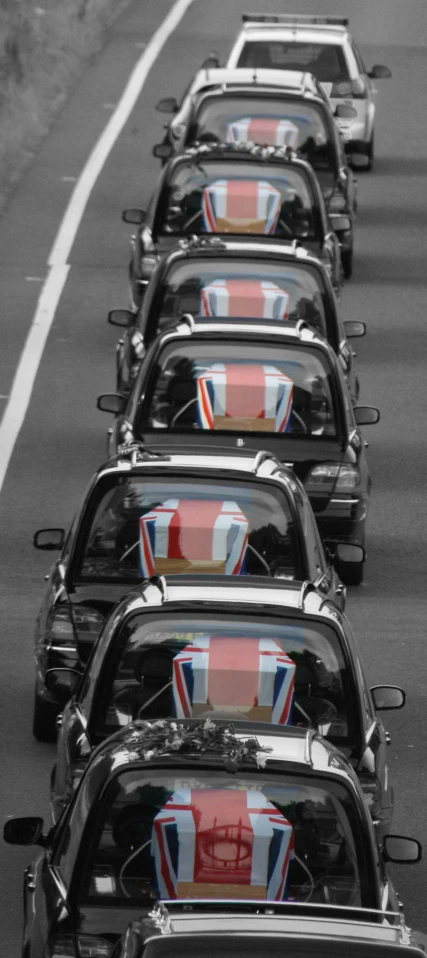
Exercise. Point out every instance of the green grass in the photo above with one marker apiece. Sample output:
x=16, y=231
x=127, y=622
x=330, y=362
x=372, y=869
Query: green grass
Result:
x=42, y=49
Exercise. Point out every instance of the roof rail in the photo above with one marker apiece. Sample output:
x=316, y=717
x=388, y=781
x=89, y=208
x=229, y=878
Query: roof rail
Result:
x=160, y=582
x=308, y=752
x=136, y=451
x=188, y=320
x=306, y=587
x=301, y=327
x=162, y=910
x=295, y=18
x=260, y=457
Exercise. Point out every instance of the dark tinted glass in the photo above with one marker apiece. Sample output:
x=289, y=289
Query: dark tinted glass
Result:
x=191, y=666
x=238, y=198
x=241, y=387
x=299, y=124
x=136, y=528
x=253, y=289
x=302, y=832
x=325, y=61
x=269, y=946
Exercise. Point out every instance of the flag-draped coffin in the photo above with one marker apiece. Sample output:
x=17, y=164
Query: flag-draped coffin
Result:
x=245, y=397
x=193, y=535
x=221, y=843
x=248, y=298
x=246, y=675
x=241, y=206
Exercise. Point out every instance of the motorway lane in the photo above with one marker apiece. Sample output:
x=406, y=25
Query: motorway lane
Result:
x=63, y=437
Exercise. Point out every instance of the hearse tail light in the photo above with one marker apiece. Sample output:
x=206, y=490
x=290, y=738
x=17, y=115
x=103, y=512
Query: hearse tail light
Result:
x=89, y=947
x=332, y=477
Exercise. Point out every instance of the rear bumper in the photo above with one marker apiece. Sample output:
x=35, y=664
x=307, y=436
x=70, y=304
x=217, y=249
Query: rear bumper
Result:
x=356, y=146
x=333, y=531
x=343, y=520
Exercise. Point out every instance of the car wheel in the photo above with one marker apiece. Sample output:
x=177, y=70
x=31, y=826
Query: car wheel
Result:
x=370, y=152
x=347, y=262
x=44, y=716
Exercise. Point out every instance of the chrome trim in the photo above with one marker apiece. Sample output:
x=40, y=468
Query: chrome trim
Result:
x=160, y=582
x=186, y=905
x=304, y=589
x=308, y=754
x=350, y=502
x=188, y=320
x=82, y=717
x=61, y=648
x=260, y=457
x=371, y=731
x=62, y=888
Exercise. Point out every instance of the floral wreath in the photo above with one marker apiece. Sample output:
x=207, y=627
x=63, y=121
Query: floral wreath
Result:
x=153, y=739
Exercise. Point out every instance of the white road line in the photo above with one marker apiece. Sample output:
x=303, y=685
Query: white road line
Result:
x=54, y=283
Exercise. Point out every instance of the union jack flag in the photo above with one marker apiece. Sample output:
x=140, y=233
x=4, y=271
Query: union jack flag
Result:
x=250, y=675
x=264, y=130
x=241, y=206
x=221, y=843
x=254, y=298
x=242, y=396
x=201, y=535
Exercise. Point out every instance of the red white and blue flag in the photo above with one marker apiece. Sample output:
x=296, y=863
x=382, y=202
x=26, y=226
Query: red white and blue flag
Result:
x=254, y=298
x=248, y=675
x=200, y=535
x=263, y=130
x=244, y=396
x=221, y=843
x=241, y=206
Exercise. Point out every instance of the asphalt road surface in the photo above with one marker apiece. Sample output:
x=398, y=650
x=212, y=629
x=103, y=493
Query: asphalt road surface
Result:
x=63, y=437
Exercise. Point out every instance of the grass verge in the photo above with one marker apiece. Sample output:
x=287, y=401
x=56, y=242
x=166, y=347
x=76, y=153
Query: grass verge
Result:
x=42, y=51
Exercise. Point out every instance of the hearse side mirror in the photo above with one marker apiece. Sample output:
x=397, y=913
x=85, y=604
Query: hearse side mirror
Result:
x=339, y=222
x=211, y=62
x=401, y=850
x=111, y=402
x=62, y=682
x=121, y=317
x=353, y=328
x=366, y=415
x=49, y=539
x=24, y=831
x=162, y=151
x=344, y=111
x=379, y=72
x=168, y=105
x=348, y=554
x=388, y=697
x=134, y=216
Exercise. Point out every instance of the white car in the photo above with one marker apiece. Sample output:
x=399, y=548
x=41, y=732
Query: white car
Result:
x=324, y=47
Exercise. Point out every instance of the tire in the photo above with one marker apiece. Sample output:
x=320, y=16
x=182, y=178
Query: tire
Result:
x=44, y=716
x=347, y=262
x=370, y=153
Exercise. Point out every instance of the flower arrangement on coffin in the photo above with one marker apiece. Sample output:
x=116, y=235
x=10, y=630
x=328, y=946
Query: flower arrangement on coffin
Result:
x=153, y=739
